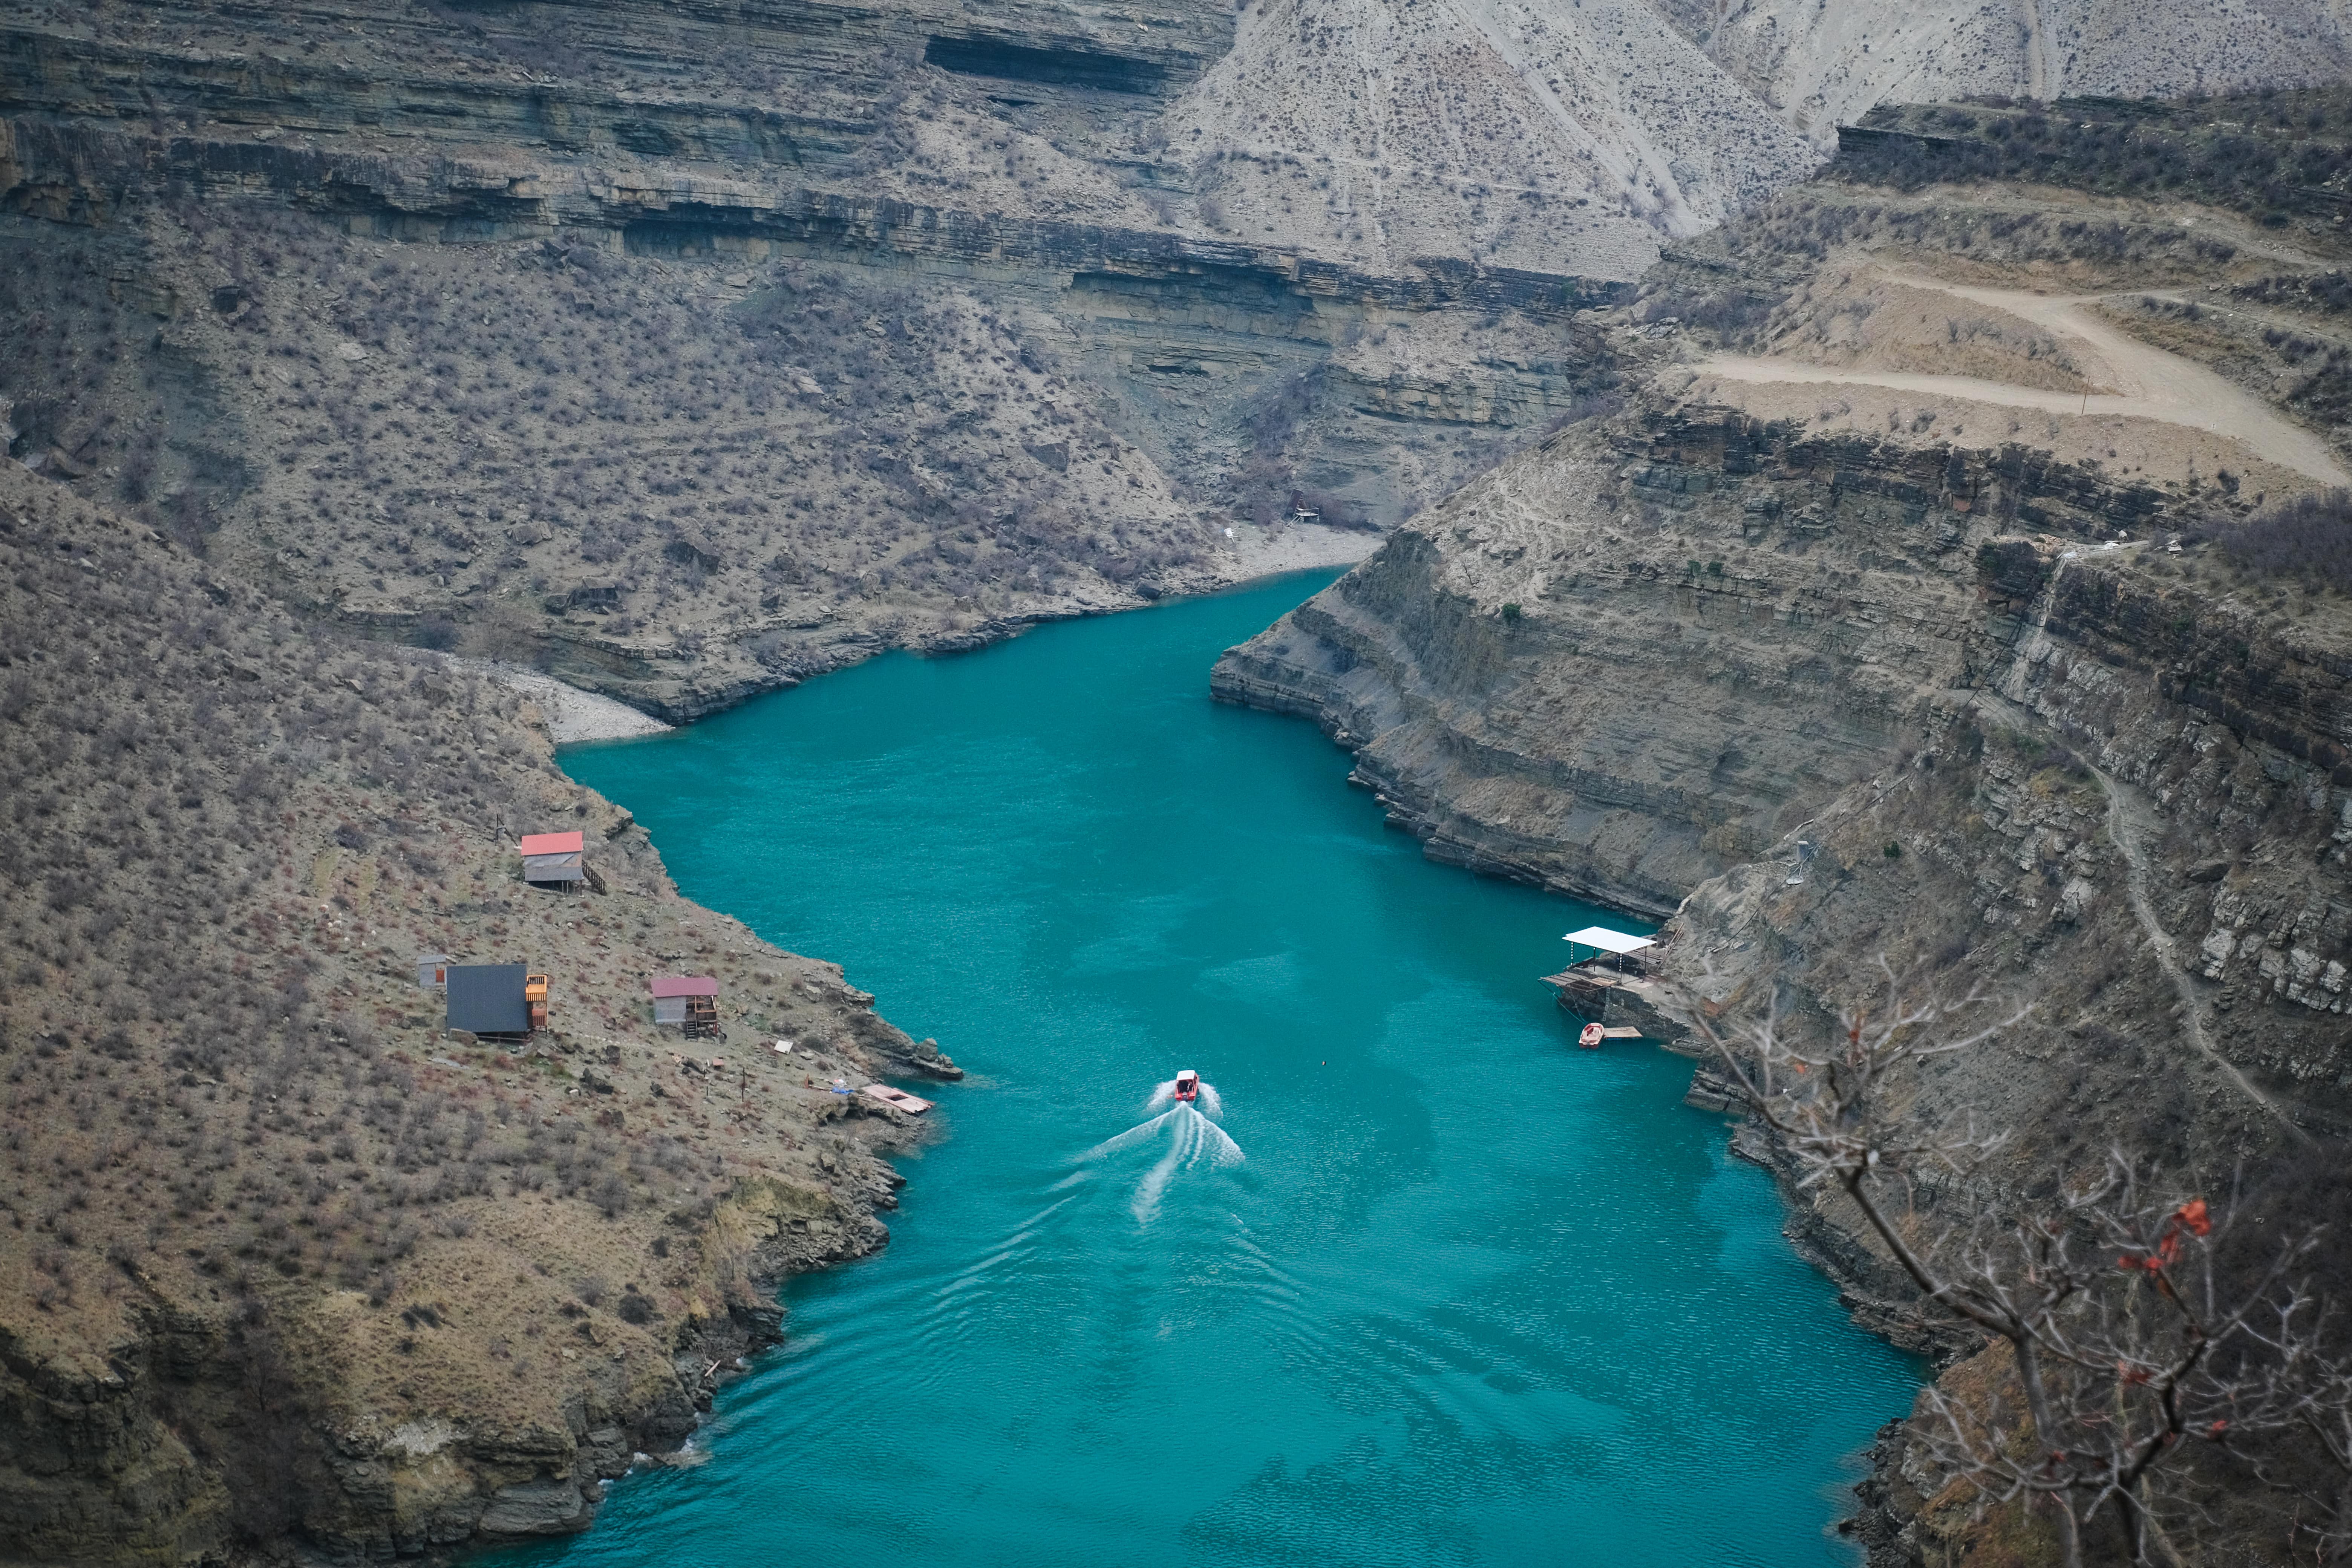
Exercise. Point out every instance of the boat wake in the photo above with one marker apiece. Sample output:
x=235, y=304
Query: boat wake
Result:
x=1190, y=1136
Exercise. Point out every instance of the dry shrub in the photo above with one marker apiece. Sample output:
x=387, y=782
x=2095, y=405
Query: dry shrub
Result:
x=2308, y=537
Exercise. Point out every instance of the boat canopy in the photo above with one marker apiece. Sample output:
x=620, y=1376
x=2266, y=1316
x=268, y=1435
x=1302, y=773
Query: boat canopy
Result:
x=1607, y=941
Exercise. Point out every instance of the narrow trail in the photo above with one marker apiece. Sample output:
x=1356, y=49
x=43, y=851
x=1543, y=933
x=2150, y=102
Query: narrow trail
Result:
x=2144, y=382
x=2129, y=819
x=2130, y=823
x=2042, y=70
x=1376, y=116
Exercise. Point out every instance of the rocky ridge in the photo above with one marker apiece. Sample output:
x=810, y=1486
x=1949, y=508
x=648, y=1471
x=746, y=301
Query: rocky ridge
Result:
x=1108, y=295
x=1828, y=672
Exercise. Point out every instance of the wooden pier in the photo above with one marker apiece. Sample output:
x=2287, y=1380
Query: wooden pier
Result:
x=1614, y=989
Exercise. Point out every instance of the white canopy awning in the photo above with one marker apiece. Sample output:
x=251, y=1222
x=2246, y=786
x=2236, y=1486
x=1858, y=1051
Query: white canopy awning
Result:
x=1609, y=941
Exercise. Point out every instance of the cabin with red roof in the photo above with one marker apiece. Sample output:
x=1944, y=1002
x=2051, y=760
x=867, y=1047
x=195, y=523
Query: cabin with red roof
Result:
x=554, y=858
x=688, y=1001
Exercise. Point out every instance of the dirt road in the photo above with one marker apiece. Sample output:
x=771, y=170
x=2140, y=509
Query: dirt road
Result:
x=2140, y=380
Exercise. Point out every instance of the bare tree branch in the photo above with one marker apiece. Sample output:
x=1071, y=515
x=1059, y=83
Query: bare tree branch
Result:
x=2129, y=1346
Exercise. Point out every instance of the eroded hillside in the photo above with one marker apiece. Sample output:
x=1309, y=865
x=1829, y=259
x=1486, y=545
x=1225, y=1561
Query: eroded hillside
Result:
x=690, y=350
x=1826, y=65
x=688, y=380
x=281, y=1260
x=1911, y=610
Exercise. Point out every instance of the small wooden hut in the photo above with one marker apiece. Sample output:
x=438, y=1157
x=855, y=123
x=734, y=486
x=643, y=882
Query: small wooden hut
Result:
x=554, y=858
x=432, y=972
x=690, y=1001
x=487, y=999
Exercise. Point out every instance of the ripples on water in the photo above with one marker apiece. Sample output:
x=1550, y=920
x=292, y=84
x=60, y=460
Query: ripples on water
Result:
x=1473, y=1296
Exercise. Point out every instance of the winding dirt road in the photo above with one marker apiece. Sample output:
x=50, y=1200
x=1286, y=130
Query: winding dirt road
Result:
x=2142, y=382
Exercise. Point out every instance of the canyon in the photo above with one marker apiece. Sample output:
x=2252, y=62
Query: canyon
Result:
x=1851, y=669
x=685, y=352
x=689, y=350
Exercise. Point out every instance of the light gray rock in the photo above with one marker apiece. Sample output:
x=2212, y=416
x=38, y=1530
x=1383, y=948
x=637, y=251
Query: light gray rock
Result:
x=536, y=1508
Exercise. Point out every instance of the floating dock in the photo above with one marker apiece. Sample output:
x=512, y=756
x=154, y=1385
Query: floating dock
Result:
x=896, y=1098
x=1613, y=988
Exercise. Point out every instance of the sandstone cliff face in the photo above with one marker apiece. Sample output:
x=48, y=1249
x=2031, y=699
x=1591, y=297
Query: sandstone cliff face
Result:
x=1627, y=662
x=1828, y=698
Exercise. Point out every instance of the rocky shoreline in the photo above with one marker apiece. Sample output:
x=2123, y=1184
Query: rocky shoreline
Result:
x=574, y=713
x=1969, y=733
x=295, y=1264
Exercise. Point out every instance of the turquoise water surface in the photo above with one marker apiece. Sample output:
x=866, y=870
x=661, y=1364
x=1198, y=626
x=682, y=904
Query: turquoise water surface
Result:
x=1471, y=1295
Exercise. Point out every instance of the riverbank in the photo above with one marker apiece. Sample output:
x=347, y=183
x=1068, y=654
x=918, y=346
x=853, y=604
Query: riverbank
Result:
x=574, y=714
x=1054, y=853
x=292, y=1264
x=569, y=715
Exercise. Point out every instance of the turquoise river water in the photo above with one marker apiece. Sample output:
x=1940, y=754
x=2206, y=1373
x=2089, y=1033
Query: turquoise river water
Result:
x=1470, y=1295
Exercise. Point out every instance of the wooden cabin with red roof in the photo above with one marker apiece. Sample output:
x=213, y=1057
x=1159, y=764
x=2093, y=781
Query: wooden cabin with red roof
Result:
x=688, y=1001
x=556, y=859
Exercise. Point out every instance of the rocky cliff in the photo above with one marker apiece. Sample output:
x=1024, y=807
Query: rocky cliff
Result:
x=690, y=350
x=1797, y=695
x=1624, y=663
x=1834, y=659
x=690, y=354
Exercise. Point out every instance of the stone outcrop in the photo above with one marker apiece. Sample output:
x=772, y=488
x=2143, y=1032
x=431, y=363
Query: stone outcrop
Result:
x=1641, y=656
x=1826, y=701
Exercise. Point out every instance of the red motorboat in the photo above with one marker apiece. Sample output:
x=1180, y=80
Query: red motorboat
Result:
x=1187, y=1084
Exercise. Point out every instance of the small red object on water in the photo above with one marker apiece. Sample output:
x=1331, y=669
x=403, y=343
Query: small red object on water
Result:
x=1591, y=1036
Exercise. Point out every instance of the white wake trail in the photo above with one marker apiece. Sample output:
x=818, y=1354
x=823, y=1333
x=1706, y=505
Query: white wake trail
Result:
x=1148, y=1192
x=1222, y=1151
x=1131, y=1138
x=1190, y=1135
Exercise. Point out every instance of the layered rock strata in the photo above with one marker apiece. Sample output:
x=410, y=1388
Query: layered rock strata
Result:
x=1623, y=665
x=1834, y=703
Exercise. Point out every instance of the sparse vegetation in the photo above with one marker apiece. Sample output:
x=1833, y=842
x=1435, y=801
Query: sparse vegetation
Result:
x=2309, y=537
x=227, y=1093
x=2168, y=1364
x=2282, y=156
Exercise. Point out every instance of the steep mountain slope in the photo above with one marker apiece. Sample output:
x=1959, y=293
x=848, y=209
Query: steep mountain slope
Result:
x=1520, y=136
x=1837, y=659
x=1821, y=66
x=754, y=339
x=760, y=369
x=282, y=1262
